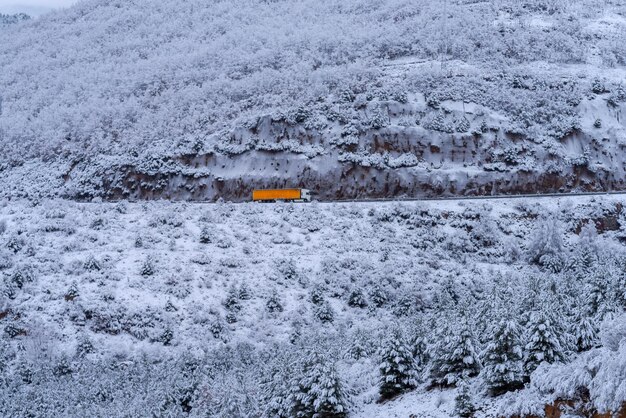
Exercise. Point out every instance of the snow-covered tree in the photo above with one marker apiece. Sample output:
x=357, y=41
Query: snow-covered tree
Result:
x=379, y=296
x=600, y=298
x=359, y=345
x=503, y=359
x=546, y=246
x=320, y=393
x=244, y=292
x=543, y=342
x=233, y=301
x=585, y=332
x=147, y=267
x=463, y=404
x=206, y=235
x=398, y=371
x=357, y=299
x=586, y=253
x=276, y=387
x=324, y=312
x=310, y=388
x=274, y=303
x=317, y=294
x=5, y=357
x=454, y=357
x=419, y=347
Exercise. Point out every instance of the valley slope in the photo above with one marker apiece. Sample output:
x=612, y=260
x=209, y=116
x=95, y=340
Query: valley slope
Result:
x=150, y=99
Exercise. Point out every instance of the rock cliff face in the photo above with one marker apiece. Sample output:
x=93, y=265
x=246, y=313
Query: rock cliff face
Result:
x=411, y=150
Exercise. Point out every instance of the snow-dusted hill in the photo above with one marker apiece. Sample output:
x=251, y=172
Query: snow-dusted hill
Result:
x=496, y=308
x=158, y=99
x=234, y=310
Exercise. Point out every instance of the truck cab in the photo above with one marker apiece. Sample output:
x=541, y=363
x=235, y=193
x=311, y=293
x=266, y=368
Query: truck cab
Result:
x=305, y=195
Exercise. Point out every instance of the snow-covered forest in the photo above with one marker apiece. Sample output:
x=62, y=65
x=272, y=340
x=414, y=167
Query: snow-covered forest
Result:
x=124, y=293
x=247, y=310
x=153, y=98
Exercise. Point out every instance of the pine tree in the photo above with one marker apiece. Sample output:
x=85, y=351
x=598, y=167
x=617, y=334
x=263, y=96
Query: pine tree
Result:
x=454, y=357
x=531, y=298
x=586, y=255
x=543, y=344
x=274, y=304
x=358, y=346
x=546, y=247
x=62, y=367
x=72, y=293
x=206, y=236
x=84, y=346
x=317, y=295
x=379, y=296
x=356, y=299
x=597, y=299
x=397, y=369
x=504, y=359
x=92, y=264
x=321, y=394
x=619, y=284
x=324, y=312
x=463, y=405
x=216, y=327
x=419, y=349
x=5, y=357
x=276, y=390
x=244, y=292
x=418, y=343
x=489, y=309
x=147, y=268
x=232, y=301
x=585, y=333
x=310, y=389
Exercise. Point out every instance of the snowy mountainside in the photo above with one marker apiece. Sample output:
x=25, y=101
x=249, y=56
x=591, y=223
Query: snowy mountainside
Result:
x=155, y=99
x=179, y=309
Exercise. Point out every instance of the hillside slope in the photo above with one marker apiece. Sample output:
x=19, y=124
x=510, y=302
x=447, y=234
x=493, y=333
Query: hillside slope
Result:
x=157, y=99
x=176, y=309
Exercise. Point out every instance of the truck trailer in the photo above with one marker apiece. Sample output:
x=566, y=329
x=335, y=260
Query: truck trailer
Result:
x=281, y=195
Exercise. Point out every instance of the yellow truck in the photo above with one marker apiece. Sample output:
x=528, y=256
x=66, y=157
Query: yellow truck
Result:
x=281, y=195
